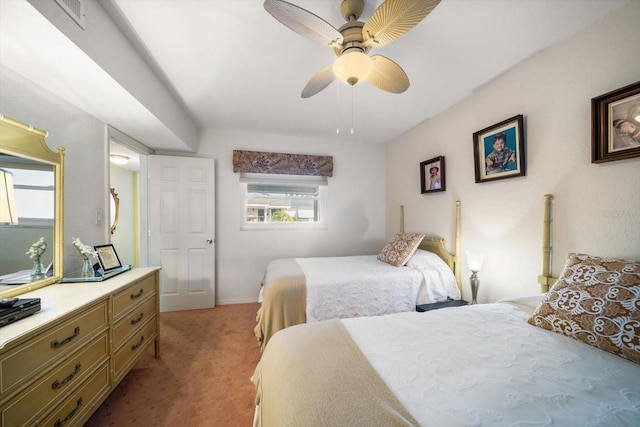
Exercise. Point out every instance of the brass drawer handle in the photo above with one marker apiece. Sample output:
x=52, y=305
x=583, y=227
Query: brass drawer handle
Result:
x=57, y=384
x=138, y=295
x=135, y=346
x=134, y=321
x=60, y=423
x=58, y=344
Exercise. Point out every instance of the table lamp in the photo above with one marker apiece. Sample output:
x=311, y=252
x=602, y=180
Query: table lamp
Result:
x=474, y=261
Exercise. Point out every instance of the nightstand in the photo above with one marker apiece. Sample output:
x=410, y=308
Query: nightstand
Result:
x=443, y=304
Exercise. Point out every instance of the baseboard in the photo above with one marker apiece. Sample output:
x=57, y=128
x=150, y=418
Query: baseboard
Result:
x=236, y=301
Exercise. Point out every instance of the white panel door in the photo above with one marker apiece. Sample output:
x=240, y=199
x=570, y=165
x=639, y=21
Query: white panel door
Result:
x=181, y=230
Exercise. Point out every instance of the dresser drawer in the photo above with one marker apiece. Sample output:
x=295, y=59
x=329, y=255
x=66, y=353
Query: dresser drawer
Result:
x=46, y=391
x=47, y=348
x=79, y=406
x=133, y=320
x=127, y=355
x=127, y=299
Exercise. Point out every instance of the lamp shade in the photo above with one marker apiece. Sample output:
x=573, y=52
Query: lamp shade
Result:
x=352, y=67
x=8, y=212
x=474, y=261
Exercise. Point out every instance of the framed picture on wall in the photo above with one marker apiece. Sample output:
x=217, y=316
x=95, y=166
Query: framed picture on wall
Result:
x=432, y=175
x=615, y=127
x=498, y=150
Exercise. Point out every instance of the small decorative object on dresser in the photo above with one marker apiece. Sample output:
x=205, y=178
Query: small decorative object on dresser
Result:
x=35, y=253
x=87, y=253
x=108, y=257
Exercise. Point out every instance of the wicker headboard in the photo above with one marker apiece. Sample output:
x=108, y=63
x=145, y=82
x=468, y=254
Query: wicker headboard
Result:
x=436, y=245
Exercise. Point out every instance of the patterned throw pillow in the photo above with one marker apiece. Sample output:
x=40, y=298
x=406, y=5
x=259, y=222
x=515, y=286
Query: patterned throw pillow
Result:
x=398, y=251
x=597, y=301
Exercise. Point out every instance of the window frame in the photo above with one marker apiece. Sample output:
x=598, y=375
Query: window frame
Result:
x=31, y=221
x=258, y=178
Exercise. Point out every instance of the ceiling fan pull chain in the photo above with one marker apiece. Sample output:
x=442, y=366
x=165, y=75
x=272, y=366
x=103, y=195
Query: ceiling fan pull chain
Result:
x=337, y=107
x=352, y=131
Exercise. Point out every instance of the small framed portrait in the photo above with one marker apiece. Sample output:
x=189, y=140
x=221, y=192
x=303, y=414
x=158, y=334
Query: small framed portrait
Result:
x=498, y=150
x=432, y=176
x=615, y=127
x=107, y=257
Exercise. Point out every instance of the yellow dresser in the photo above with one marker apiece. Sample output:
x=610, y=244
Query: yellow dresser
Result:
x=59, y=365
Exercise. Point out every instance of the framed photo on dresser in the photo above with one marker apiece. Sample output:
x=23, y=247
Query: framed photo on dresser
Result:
x=108, y=257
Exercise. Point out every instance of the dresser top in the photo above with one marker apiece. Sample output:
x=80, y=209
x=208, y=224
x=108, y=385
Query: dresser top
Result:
x=63, y=298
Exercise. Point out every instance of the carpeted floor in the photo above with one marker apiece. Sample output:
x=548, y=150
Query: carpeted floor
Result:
x=200, y=379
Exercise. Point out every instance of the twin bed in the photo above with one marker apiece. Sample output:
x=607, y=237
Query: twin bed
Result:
x=570, y=356
x=299, y=290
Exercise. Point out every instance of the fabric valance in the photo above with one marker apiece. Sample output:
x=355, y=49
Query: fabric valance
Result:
x=282, y=163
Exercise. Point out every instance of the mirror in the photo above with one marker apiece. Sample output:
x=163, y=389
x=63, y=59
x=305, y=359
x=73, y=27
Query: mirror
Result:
x=37, y=197
x=114, y=209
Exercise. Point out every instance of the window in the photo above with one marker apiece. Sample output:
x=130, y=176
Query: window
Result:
x=35, y=195
x=283, y=201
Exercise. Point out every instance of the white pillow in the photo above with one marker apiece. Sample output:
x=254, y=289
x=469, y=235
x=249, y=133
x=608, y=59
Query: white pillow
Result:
x=439, y=282
x=422, y=258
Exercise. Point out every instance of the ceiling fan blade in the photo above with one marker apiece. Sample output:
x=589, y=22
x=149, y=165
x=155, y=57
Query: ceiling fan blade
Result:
x=304, y=22
x=393, y=19
x=319, y=81
x=387, y=75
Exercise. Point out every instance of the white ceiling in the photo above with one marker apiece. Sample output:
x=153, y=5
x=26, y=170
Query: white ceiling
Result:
x=234, y=67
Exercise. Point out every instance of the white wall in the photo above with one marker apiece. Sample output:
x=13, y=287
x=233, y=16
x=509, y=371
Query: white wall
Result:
x=355, y=212
x=596, y=207
x=356, y=191
x=83, y=138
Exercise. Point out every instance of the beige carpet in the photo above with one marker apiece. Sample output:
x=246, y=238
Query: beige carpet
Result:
x=201, y=379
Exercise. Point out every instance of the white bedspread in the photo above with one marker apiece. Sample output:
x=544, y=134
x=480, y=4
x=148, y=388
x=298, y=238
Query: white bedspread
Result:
x=334, y=291
x=516, y=375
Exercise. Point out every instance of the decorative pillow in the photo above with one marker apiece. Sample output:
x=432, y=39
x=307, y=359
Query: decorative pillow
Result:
x=398, y=251
x=597, y=301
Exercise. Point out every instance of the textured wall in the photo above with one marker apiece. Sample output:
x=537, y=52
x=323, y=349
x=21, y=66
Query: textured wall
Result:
x=596, y=207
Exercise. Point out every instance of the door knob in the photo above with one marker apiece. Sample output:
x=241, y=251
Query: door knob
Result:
x=209, y=241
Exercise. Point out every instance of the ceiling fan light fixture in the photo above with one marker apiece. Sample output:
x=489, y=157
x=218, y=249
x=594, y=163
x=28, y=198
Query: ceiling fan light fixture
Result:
x=352, y=67
x=118, y=159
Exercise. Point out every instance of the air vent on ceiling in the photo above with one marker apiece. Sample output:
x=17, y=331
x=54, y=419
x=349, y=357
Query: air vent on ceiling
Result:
x=75, y=9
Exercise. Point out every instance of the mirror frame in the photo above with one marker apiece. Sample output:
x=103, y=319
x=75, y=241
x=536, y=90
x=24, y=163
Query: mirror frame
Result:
x=22, y=140
x=116, y=213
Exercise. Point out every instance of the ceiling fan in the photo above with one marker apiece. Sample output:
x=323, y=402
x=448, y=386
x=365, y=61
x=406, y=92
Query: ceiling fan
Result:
x=352, y=41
